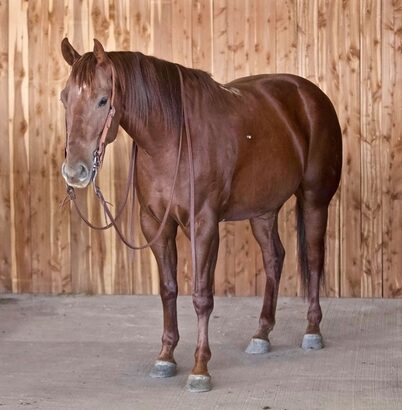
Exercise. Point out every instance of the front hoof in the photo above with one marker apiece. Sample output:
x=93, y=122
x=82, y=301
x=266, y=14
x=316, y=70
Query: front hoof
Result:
x=258, y=346
x=163, y=369
x=312, y=342
x=197, y=383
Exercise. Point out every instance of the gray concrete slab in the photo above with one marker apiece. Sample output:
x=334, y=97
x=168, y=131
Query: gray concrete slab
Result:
x=83, y=352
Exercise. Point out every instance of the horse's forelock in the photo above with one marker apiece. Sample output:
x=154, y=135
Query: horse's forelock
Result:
x=83, y=70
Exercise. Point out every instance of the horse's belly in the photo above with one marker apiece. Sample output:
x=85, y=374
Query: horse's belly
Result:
x=247, y=207
x=263, y=181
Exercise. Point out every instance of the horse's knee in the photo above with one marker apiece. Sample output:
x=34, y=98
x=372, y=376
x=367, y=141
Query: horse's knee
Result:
x=168, y=291
x=203, y=304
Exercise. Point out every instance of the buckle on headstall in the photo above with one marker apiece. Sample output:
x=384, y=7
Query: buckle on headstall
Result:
x=97, y=160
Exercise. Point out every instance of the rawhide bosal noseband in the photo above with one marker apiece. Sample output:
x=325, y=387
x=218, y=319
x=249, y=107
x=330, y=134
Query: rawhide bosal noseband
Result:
x=97, y=163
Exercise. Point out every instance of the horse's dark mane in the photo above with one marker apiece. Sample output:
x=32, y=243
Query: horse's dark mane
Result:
x=149, y=85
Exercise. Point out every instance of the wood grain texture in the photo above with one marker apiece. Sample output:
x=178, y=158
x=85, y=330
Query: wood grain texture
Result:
x=351, y=49
x=349, y=115
x=371, y=169
x=391, y=147
x=19, y=168
x=39, y=154
x=5, y=200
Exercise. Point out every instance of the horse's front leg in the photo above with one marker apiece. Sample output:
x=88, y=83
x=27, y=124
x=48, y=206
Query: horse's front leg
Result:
x=207, y=243
x=166, y=256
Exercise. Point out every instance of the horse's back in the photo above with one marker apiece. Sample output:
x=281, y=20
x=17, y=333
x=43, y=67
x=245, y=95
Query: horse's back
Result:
x=289, y=138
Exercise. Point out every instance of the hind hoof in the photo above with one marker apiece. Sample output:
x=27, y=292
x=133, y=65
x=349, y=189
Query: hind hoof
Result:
x=258, y=346
x=312, y=342
x=197, y=383
x=163, y=369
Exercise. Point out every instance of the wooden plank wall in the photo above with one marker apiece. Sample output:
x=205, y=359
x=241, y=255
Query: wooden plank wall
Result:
x=352, y=49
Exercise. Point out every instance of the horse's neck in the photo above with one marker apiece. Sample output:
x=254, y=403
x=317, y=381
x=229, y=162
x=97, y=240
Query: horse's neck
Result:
x=152, y=135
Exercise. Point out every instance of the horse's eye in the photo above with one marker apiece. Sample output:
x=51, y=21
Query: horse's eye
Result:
x=102, y=102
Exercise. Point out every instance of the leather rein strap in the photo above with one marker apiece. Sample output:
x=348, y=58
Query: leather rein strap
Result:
x=98, y=159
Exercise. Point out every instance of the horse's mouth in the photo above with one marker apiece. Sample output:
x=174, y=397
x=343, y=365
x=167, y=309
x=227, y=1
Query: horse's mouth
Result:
x=77, y=185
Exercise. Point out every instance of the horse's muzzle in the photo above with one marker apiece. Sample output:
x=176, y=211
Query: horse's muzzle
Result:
x=77, y=177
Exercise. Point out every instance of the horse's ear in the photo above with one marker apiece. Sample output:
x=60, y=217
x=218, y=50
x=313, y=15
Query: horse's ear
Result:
x=99, y=52
x=68, y=51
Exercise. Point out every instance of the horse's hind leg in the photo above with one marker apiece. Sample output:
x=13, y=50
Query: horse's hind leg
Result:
x=314, y=218
x=265, y=230
x=166, y=256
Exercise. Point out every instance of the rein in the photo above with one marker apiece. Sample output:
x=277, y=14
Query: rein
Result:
x=98, y=159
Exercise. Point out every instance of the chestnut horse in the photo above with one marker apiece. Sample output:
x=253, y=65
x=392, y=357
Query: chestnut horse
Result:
x=255, y=142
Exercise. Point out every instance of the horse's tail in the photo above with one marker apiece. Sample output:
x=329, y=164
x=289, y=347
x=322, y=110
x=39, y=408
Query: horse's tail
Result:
x=302, y=246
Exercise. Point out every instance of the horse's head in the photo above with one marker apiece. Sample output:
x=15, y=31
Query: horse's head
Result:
x=88, y=99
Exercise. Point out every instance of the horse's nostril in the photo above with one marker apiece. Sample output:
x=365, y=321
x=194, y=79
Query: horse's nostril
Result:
x=83, y=173
x=75, y=176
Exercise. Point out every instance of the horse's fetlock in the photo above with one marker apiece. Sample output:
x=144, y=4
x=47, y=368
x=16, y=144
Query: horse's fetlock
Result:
x=314, y=314
x=170, y=341
x=203, y=354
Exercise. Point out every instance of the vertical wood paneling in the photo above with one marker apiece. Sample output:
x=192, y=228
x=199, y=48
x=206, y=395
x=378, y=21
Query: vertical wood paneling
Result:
x=202, y=35
x=391, y=147
x=351, y=49
x=161, y=22
x=20, y=188
x=140, y=26
x=349, y=113
x=371, y=167
x=5, y=200
x=39, y=155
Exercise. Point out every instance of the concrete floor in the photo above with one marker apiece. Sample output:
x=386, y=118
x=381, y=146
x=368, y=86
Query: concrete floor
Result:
x=83, y=352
